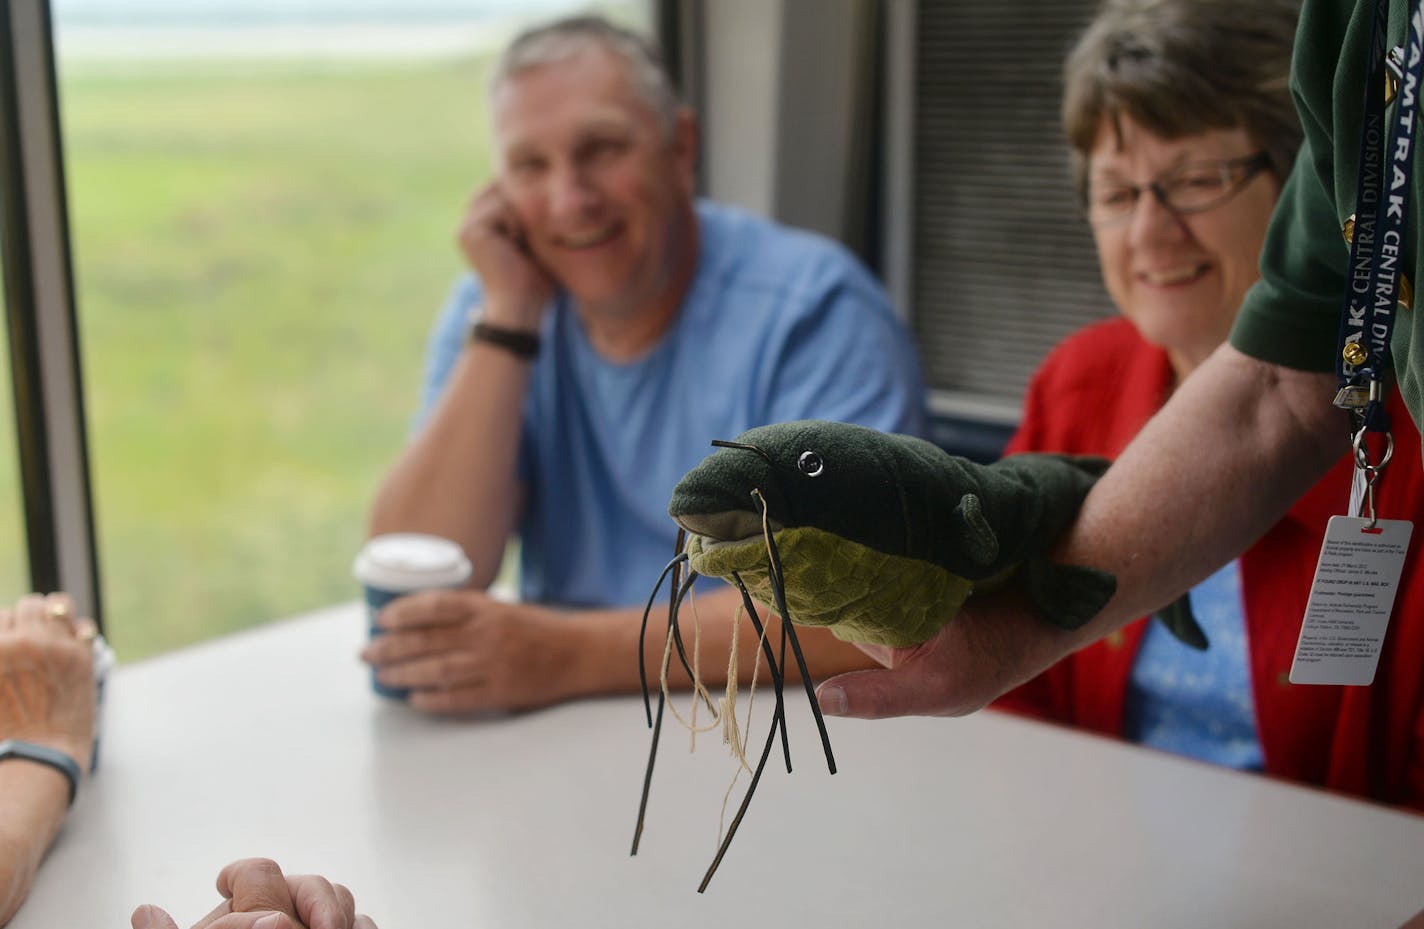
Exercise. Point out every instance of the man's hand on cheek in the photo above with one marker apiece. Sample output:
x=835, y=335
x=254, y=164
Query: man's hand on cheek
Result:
x=495, y=244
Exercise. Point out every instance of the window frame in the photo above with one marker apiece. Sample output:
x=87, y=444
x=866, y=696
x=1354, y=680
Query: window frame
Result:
x=46, y=369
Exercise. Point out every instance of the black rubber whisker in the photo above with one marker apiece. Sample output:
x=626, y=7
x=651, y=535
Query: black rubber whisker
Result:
x=723, y=443
x=675, y=567
x=778, y=591
x=676, y=632
x=781, y=664
x=648, y=775
x=678, y=559
x=779, y=716
x=777, y=681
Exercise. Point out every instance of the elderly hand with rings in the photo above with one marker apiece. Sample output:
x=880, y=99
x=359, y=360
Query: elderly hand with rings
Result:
x=46, y=730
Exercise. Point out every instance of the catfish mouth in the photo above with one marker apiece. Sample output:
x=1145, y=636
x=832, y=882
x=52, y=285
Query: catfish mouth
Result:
x=726, y=527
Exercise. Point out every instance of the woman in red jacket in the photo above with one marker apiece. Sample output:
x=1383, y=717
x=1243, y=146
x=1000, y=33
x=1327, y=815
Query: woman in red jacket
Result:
x=1182, y=131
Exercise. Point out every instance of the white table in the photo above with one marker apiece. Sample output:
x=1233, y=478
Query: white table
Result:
x=270, y=743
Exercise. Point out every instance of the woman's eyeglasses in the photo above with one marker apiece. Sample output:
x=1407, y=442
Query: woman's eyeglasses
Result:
x=1189, y=188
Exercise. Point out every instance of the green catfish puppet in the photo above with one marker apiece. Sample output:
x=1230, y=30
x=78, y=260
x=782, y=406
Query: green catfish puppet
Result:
x=879, y=537
x=883, y=537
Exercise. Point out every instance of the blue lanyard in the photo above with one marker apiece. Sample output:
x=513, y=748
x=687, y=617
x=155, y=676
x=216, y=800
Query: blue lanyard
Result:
x=1381, y=209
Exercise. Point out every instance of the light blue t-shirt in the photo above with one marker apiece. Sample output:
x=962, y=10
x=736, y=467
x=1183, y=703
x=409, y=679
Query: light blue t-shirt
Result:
x=777, y=325
x=1195, y=703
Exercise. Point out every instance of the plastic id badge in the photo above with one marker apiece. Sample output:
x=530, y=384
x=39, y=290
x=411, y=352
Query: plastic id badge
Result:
x=1350, y=601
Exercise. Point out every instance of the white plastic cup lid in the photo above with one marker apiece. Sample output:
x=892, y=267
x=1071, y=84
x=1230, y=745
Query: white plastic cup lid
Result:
x=405, y=561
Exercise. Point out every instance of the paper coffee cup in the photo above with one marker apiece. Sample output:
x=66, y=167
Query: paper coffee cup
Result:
x=391, y=566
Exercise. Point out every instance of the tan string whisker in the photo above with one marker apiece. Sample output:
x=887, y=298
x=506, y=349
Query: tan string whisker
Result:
x=766, y=538
x=733, y=735
x=738, y=740
x=730, y=736
x=698, y=690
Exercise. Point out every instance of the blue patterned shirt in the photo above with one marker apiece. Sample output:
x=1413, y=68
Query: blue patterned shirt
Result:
x=1195, y=703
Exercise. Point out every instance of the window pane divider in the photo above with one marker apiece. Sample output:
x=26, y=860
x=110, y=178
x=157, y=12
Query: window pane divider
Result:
x=41, y=317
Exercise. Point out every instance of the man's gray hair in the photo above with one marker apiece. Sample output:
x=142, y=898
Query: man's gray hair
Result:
x=1180, y=67
x=568, y=38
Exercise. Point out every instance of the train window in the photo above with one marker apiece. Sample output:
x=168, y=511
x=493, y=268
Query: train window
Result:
x=263, y=196
x=14, y=577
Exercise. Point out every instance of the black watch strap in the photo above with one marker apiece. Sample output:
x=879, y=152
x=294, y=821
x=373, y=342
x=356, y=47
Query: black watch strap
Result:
x=43, y=754
x=515, y=341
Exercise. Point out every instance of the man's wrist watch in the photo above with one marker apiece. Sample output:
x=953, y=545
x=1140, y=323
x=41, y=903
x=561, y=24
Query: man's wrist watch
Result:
x=43, y=754
x=518, y=342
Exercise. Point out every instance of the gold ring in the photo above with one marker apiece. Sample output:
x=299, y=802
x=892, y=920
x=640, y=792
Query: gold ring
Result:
x=58, y=611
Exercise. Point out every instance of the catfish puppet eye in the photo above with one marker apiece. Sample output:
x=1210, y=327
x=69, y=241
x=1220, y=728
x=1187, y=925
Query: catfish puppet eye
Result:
x=811, y=464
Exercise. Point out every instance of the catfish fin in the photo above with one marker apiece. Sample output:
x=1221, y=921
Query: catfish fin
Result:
x=1178, y=617
x=1066, y=595
x=976, y=536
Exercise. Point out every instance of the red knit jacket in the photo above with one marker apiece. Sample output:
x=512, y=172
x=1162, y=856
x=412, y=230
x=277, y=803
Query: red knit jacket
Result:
x=1091, y=396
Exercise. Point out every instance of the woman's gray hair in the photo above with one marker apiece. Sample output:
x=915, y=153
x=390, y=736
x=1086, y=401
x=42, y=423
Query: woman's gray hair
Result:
x=573, y=36
x=1180, y=67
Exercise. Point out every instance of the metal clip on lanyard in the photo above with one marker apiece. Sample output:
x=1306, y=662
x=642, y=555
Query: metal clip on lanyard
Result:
x=1376, y=233
x=1371, y=472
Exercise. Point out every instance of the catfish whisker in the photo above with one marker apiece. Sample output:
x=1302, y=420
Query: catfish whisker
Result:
x=778, y=719
x=777, y=579
x=648, y=774
x=672, y=566
x=675, y=630
x=698, y=688
x=723, y=443
x=746, y=801
x=675, y=568
x=776, y=679
x=781, y=665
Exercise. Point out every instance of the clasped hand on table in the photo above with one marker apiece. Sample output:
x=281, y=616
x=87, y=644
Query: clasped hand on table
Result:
x=256, y=895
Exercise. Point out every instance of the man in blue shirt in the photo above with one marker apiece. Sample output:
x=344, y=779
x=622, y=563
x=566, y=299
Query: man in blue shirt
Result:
x=613, y=326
